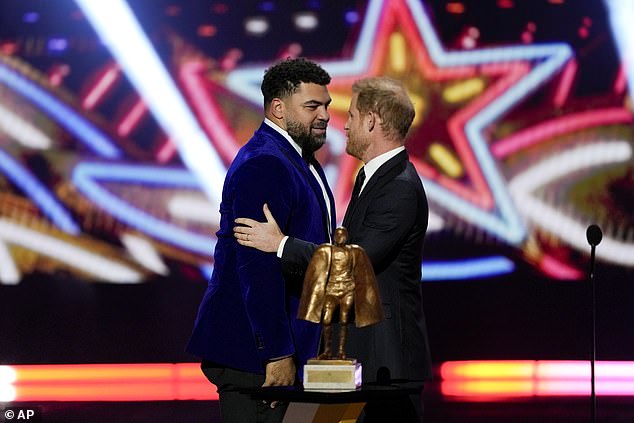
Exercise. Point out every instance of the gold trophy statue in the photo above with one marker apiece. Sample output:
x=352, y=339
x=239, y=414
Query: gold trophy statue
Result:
x=339, y=276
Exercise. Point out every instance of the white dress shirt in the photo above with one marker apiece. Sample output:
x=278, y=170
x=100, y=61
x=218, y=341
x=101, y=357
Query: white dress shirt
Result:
x=373, y=165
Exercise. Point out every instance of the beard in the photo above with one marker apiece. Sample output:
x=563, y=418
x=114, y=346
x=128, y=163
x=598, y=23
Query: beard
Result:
x=302, y=135
x=356, y=146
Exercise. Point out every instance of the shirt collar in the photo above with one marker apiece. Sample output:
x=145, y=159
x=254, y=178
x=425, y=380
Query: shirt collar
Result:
x=373, y=165
x=283, y=133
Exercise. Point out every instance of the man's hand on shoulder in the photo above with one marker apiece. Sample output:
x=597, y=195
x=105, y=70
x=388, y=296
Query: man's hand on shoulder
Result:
x=264, y=236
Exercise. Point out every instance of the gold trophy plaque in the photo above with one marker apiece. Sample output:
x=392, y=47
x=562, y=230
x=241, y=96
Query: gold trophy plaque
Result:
x=339, y=277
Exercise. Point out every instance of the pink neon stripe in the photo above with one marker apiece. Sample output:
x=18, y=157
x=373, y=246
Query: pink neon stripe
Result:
x=212, y=119
x=479, y=380
x=558, y=126
x=556, y=269
x=583, y=388
x=132, y=118
x=563, y=90
x=103, y=84
x=166, y=151
x=620, y=81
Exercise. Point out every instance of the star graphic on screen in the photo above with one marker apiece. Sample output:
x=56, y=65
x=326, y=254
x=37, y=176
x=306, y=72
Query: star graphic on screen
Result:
x=453, y=159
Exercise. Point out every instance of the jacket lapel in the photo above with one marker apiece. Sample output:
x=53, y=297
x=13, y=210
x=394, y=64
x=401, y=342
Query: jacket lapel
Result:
x=291, y=154
x=331, y=197
x=383, y=174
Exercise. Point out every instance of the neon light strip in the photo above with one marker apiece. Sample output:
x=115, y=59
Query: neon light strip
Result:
x=563, y=90
x=86, y=175
x=466, y=381
x=497, y=380
x=193, y=208
x=551, y=219
x=22, y=131
x=105, y=382
x=435, y=222
x=131, y=119
x=218, y=130
x=74, y=256
x=463, y=91
x=166, y=151
x=560, y=126
x=621, y=12
x=620, y=81
x=144, y=253
x=116, y=25
x=103, y=84
x=9, y=273
x=556, y=269
x=73, y=122
x=434, y=271
x=37, y=192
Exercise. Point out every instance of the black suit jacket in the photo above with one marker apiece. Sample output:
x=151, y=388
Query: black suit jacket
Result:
x=389, y=220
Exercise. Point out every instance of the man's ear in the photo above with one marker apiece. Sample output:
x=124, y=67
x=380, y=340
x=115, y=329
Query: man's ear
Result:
x=370, y=121
x=278, y=108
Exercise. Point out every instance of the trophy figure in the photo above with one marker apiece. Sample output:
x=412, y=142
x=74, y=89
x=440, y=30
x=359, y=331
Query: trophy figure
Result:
x=339, y=277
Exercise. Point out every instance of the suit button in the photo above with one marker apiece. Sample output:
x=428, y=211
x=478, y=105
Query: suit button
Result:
x=259, y=342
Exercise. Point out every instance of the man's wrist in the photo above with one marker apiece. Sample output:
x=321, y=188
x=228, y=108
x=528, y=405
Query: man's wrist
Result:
x=280, y=248
x=271, y=360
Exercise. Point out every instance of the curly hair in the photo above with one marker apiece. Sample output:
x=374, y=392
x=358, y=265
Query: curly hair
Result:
x=282, y=79
x=388, y=98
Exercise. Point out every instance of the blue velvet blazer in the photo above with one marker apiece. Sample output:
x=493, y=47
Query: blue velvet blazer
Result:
x=248, y=313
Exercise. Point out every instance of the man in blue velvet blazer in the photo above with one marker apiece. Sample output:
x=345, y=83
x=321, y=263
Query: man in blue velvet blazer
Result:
x=246, y=331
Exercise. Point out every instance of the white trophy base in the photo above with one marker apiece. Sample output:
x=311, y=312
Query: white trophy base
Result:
x=332, y=375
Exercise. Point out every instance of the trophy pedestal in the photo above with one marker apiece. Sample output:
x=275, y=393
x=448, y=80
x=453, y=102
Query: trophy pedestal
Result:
x=332, y=375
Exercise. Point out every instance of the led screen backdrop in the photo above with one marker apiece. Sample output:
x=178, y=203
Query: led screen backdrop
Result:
x=119, y=119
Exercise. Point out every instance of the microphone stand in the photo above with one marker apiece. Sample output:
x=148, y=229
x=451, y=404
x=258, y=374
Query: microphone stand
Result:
x=594, y=236
x=593, y=357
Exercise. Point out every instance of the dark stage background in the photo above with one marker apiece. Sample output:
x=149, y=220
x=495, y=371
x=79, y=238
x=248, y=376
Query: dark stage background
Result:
x=110, y=168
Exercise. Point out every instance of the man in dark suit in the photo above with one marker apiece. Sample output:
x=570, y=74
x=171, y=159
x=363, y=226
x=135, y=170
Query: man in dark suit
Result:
x=246, y=331
x=387, y=216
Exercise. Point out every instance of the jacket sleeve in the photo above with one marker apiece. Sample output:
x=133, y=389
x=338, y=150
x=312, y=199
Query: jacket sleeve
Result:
x=296, y=256
x=387, y=222
x=264, y=179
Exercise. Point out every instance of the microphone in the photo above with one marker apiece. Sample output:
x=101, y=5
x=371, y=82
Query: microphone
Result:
x=594, y=235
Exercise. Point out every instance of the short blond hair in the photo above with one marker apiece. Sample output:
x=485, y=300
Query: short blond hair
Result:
x=388, y=98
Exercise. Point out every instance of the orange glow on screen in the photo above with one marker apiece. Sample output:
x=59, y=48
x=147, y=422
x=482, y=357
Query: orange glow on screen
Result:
x=460, y=381
x=106, y=382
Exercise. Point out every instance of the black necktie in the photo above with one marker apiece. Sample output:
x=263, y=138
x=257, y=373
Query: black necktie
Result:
x=358, y=183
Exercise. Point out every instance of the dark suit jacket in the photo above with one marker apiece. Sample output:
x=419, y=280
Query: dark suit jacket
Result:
x=389, y=220
x=248, y=313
